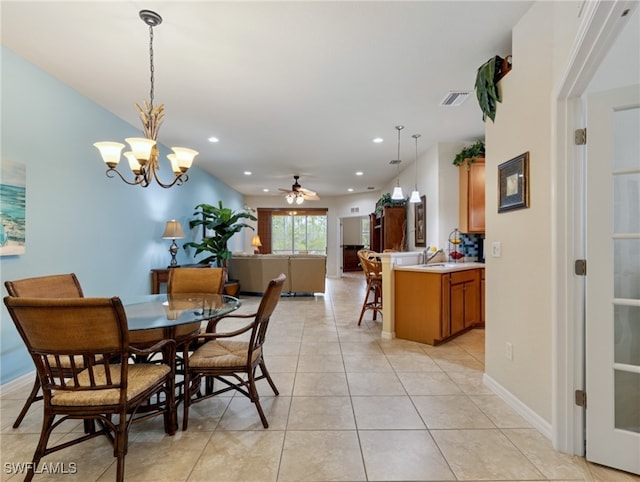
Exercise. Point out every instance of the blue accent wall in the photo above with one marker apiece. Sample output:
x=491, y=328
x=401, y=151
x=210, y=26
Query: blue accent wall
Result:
x=77, y=219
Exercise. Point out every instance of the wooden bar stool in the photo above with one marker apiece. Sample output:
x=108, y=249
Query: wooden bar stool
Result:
x=372, y=268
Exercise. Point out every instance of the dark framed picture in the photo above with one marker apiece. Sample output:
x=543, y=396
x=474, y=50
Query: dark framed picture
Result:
x=513, y=182
x=421, y=222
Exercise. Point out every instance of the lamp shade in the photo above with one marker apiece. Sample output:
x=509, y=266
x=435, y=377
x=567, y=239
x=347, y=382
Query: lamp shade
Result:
x=397, y=193
x=173, y=230
x=256, y=241
x=415, y=197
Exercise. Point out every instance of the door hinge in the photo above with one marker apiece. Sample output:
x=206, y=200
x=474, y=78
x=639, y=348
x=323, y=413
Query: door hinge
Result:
x=581, y=398
x=580, y=137
x=580, y=267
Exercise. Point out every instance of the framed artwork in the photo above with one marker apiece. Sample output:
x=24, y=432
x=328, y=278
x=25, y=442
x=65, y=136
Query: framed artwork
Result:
x=12, y=207
x=513, y=182
x=421, y=222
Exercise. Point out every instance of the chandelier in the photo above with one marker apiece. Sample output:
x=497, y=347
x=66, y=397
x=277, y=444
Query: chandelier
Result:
x=143, y=156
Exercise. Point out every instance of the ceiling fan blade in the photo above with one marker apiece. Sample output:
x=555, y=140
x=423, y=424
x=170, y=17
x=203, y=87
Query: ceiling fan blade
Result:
x=308, y=192
x=310, y=196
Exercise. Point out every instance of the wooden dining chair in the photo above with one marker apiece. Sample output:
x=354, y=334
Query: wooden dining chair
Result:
x=232, y=361
x=197, y=280
x=52, y=286
x=372, y=268
x=93, y=329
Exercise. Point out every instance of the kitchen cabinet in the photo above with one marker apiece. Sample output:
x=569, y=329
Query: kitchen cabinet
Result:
x=432, y=307
x=482, y=305
x=387, y=229
x=472, y=202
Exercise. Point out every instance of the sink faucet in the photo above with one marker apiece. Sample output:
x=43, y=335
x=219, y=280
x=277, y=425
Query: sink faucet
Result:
x=428, y=258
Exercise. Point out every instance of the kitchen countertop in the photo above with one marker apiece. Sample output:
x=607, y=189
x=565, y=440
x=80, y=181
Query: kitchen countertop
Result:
x=440, y=267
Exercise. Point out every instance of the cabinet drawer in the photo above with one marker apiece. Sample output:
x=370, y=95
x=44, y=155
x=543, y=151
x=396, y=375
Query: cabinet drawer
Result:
x=464, y=276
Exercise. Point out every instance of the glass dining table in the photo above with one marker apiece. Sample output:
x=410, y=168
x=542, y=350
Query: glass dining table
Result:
x=152, y=318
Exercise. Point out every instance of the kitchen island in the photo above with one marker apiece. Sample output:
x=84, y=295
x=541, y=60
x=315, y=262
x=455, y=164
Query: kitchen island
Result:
x=436, y=302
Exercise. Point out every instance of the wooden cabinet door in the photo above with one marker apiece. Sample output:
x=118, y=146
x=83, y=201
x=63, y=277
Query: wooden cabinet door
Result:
x=482, y=306
x=472, y=197
x=457, y=303
x=471, y=304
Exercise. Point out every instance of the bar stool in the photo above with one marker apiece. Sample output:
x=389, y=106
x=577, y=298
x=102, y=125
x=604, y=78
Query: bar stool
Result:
x=372, y=268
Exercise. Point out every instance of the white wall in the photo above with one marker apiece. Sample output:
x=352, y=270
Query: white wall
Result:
x=518, y=298
x=352, y=231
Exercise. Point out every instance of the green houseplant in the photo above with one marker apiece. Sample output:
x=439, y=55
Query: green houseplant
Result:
x=219, y=224
x=470, y=153
x=486, y=86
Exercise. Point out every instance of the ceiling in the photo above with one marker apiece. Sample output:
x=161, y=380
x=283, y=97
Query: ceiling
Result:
x=287, y=87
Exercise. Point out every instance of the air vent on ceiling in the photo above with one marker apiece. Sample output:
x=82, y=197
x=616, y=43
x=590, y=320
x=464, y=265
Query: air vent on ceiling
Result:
x=454, y=99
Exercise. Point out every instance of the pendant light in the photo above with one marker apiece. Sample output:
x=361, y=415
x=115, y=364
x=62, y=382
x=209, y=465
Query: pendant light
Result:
x=415, y=195
x=397, y=191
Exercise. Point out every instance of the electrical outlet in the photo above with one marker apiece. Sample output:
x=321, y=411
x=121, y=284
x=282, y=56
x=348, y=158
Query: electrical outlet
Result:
x=496, y=249
x=508, y=352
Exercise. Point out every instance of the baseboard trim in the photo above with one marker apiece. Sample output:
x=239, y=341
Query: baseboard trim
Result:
x=524, y=411
x=22, y=382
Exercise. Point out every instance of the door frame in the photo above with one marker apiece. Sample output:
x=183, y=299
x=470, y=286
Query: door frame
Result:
x=597, y=31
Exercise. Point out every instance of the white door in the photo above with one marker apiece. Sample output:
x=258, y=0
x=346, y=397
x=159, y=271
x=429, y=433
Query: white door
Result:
x=613, y=279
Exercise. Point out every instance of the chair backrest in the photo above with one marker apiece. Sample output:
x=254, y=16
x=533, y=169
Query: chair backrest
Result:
x=370, y=263
x=93, y=328
x=51, y=286
x=265, y=310
x=196, y=280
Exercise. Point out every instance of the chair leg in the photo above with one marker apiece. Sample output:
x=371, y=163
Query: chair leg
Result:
x=33, y=397
x=265, y=372
x=255, y=398
x=365, y=303
x=47, y=424
x=120, y=446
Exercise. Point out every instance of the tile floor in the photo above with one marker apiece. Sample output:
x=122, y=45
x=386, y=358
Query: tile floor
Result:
x=352, y=407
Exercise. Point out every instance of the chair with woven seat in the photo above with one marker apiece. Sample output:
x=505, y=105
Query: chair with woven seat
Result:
x=372, y=267
x=114, y=394
x=230, y=360
x=197, y=280
x=52, y=286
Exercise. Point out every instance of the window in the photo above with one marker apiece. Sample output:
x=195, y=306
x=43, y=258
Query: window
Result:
x=287, y=232
x=365, y=231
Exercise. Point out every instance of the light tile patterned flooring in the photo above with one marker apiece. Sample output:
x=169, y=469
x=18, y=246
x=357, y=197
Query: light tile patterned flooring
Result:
x=352, y=407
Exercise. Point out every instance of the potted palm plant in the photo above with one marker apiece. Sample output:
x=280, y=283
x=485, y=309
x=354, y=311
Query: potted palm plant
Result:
x=219, y=224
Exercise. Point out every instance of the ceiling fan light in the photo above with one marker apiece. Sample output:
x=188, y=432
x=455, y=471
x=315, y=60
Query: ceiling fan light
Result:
x=290, y=197
x=397, y=194
x=299, y=199
x=415, y=197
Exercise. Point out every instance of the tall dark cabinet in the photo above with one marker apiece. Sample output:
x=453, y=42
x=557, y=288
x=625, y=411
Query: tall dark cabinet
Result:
x=388, y=229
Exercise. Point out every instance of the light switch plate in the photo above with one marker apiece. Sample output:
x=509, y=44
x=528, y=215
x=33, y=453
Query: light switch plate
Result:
x=496, y=249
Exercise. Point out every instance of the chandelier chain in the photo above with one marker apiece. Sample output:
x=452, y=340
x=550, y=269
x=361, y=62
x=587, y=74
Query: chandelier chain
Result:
x=151, y=68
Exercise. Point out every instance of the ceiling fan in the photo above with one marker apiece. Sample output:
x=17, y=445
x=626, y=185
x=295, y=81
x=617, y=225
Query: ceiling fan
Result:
x=298, y=194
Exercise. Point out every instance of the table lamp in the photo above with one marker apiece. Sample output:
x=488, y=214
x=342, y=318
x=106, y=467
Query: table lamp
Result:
x=173, y=231
x=255, y=242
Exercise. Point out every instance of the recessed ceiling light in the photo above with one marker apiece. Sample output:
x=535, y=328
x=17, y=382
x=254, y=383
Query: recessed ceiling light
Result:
x=247, y=173
x=265, y=190
x=359, y=173
x=378, y=140
x=213, y=139
x=350, y=189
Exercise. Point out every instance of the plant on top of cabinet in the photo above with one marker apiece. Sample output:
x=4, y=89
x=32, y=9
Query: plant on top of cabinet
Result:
x=469, y=154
